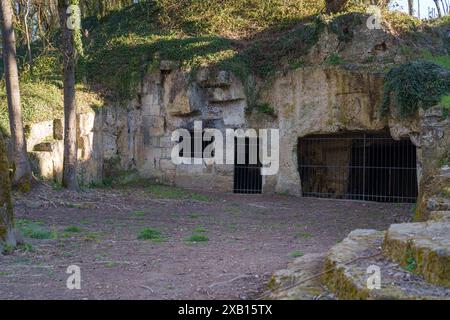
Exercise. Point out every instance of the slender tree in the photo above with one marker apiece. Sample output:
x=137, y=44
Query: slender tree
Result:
x=20, y=162
x=438, y=8
x=7, y=232
x=69, y=179
x=411, y=7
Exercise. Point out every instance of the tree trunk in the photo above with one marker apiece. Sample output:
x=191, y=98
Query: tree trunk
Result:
x=411, y=7
x=7, y=232
x=20, y=162
x=436, y=2
x=69, y=180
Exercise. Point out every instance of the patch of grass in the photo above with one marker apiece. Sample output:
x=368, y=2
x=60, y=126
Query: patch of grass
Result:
x=199, y=197
x=194, y=216
x=304, y=235
x=27, y=247
x=197, y=238
x=4, y=273
x=266, y=109
x=334, y=59
x=139, y=213
x=411, y=264
x=111, y=264
x=200, y=230
x=40, y=234
x=92, y=236
x=35, y=230
x=445, y=103
x=73, y=229
x=85, y=222
x=150, y=234
x=296, y=254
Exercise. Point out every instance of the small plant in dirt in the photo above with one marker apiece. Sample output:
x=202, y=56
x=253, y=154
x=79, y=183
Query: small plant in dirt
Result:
x=296, y=254
x=334, y=59
x=197, y=238
x=35, y=230
x=266, y=109
x=304, y=235
x=200, y=197
x=411, y=263
x=139, y=213
x=92, y=236
x=111, y=264
x=150, y=234
x=200, y=230
x=26, y=247
x=72, y=229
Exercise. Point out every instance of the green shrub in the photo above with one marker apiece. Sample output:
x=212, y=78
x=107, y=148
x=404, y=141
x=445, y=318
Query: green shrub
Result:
x=150, y=234
x=197, y=238
x=415, y=84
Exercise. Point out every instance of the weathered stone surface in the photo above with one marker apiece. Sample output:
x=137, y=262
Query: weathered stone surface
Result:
x=424, y=247
x=44, y=147
x=153, y=126
x=440, y=215
x=168, y=65
x=438, y=204
x=347, y=264
x=38, y=132
x=299, y=281
x=58, y=129
x=85, y=123
x=167, y=164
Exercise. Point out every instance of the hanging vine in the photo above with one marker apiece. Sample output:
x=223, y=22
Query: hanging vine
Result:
x=415, y=84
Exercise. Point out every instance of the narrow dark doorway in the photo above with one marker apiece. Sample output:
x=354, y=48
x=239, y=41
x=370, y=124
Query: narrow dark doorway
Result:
x=358, y=166
x=247, y=174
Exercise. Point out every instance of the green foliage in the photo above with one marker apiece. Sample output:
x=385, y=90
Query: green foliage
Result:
x=265, y=108
x=342, y=24
x=200, y=230
x=129, y=42
x=334, y=59
x=415, y=84
x=150, y=234
x=445, y=103
x=35, y=230
x=411, y=263
x=296, y=254
x=401, y=22
x=72, y=229
x=197, y=238
x=304, y=235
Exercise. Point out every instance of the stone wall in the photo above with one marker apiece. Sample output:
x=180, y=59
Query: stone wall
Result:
x=137, y=135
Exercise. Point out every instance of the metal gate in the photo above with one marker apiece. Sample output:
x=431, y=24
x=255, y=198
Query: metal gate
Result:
x=358, y=166
x=247, y=168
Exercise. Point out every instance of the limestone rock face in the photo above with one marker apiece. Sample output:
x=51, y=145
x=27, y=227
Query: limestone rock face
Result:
x=299, y=280
x=422, y=247
x=347, y=275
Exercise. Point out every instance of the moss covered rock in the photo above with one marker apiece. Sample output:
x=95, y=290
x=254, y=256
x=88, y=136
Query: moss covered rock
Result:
x=7, y=233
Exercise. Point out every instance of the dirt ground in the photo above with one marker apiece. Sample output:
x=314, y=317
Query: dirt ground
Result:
x=245, y=239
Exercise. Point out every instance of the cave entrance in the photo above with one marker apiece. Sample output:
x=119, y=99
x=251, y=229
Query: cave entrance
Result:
x=358, y=166
x=247, y=167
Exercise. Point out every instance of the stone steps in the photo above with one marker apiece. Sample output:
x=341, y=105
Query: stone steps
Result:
x=303, y=272
x=424, y=248
x=347, y=264
x=440, y=215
